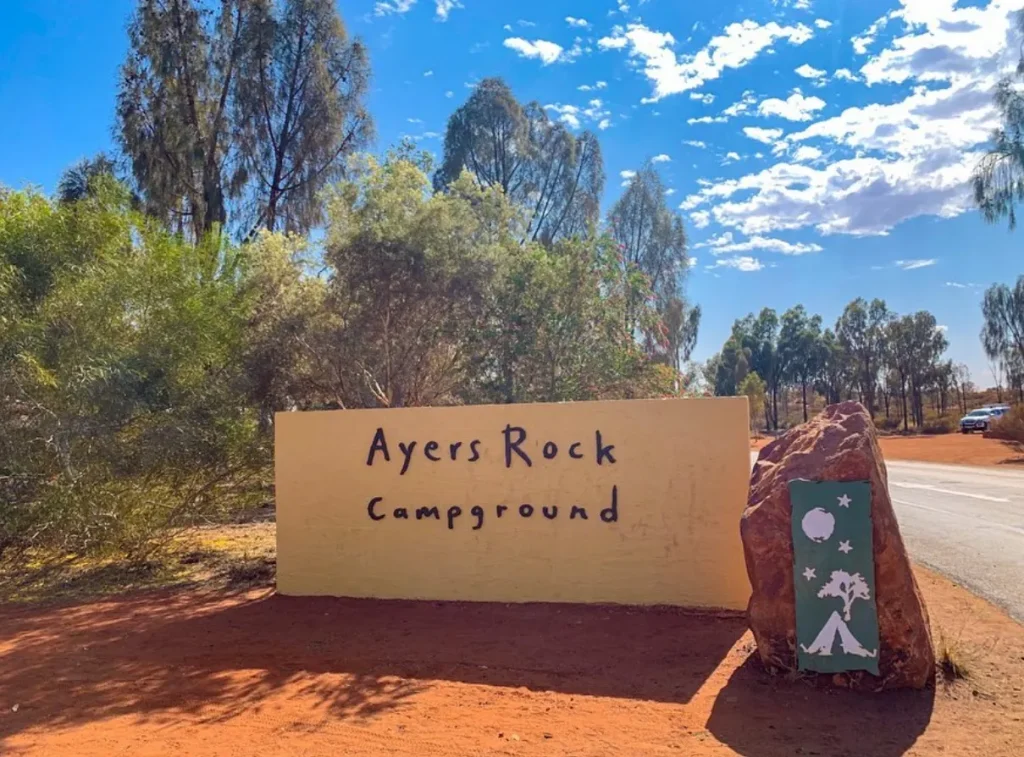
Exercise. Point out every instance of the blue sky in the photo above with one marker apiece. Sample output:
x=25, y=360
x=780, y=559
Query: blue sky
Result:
x=819, y=150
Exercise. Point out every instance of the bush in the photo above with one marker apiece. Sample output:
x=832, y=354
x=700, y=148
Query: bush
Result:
x=1010, y=427
x=888, y=424
x=945, y=425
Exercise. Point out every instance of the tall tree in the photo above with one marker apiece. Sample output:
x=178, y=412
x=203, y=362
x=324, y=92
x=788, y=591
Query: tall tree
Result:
x=834, y=371
x=861, y=331
x=554, y=177
x=1002, y=336
x=799, y=349
x=650, y=236
x=83, y=178
x=999, y=177
x=298, y=109
x=173, y=107
x=238, y=104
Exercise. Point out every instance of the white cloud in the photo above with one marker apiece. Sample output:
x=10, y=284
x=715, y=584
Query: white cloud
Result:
x=574, y=115
x=740, y=263
x=796, y=107
x=707, y=120
x=731, y=157
x=444, y=7
x=742, y=105
x=582, y=23
x=669, y=192
x=662, y=158
x=547, y=52
x=592, y=87
x=526, y=24
x=701, y=218
x=414, y=120
x=706, y=98
x=806, y=153
x=449, y=94
x=809, y=72
x=695, y=143
x=383, y=8
x=627, y=177
x=822, y=23
x=865, y=40
x=845, y=74
x=671, y=74
x=428, y=73
x=956, y=285
x=507, y=27
x=942, y=327
x=860, y=196
x=691, y=262
x=767, y=136
x=724, y=243
x=910, y=265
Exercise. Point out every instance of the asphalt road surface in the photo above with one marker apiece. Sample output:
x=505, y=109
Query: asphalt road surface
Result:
x=965, y=522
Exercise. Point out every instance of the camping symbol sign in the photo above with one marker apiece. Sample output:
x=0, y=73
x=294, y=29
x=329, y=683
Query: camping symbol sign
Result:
x=834, y=576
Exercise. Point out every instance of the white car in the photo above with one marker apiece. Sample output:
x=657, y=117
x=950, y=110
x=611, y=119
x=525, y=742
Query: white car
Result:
x=979, y=420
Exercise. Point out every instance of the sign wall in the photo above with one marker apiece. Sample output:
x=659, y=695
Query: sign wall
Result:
x=634, y=502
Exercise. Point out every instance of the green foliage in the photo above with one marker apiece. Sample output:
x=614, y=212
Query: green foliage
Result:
x=1003, y=333
x=239, y=112
x=999, y=177
x=120, y=410
x=753, y=388
x=556, y=178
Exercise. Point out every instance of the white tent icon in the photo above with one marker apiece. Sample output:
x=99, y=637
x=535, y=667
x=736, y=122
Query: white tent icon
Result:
x=826, y=639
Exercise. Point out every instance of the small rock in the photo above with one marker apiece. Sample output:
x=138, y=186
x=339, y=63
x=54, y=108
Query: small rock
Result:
x=547, y=735
x=14, y=708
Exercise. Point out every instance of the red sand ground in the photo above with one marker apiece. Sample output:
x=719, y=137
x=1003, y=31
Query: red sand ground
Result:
x=257, y=674
x=953, y=449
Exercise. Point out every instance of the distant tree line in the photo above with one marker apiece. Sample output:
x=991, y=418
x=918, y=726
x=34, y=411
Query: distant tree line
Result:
x=892, y=364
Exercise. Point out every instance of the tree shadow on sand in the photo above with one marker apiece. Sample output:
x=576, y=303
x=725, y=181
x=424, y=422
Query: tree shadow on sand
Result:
x=167, y=655
x=756, y=714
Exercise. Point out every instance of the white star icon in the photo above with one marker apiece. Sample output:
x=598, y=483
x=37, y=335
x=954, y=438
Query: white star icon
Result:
x=844, y=547
x=844, y=501
x=809, y=574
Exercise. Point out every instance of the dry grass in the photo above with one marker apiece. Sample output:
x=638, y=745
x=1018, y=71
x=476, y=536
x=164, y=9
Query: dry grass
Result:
x=953, y=660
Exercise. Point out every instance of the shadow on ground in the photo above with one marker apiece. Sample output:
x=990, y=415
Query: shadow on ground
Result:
x=159, y=656
x=817, y=719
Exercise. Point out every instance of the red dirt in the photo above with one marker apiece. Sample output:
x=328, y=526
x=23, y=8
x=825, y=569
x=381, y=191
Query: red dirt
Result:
x=258, y=674
x=951, y=449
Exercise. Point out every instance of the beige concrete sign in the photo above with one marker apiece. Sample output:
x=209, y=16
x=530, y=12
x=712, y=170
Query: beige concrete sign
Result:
x=634, y=502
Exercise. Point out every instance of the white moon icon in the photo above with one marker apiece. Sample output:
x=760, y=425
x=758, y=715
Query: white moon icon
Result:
x=818, y=525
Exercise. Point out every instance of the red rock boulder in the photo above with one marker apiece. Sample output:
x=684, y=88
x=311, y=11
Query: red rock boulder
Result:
x=838, y=445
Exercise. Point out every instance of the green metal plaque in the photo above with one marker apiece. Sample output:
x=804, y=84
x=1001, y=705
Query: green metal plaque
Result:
x=834, y=576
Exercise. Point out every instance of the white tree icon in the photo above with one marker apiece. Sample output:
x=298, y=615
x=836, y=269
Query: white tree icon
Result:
x=847, y=588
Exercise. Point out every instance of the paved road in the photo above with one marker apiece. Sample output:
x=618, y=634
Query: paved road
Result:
x=967, y=523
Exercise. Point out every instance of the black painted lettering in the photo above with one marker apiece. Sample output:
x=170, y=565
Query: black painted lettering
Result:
x=402, y=513
x=407, y=451
x=574, y=450
x=369, y=509
x=611, y=514
x=453, y=512
x=550, y=512
x=428, y=512
x=453, y=449
x=578, y=511
x=550, y=450
x=604, y=451
x=478, y=513
x=526, y=510
x=473, y=448
x=513, y=446
x=379, y=444
x=502, y=509
x=430, y=448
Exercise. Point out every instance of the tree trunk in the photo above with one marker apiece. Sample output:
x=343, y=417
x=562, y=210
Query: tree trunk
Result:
x=803, y=386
